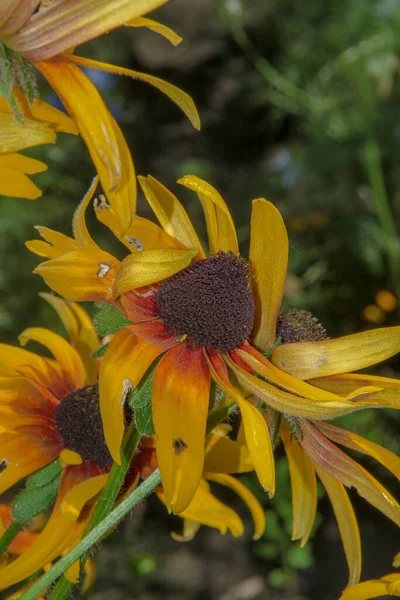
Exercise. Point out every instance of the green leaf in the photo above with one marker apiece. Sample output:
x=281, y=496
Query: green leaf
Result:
x=101, y=350
x=108, y=320
x=31, y=502
x=44, y=476
x=140, y=402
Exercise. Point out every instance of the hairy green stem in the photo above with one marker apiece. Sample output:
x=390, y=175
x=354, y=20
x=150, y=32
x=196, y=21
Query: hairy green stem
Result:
x=61, y=590
x=94, y=536
x=9, y=535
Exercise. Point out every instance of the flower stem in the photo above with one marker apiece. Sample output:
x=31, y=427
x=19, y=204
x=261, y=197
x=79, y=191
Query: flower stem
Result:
x=9, y=535
x=62, y=589
x=94, y=536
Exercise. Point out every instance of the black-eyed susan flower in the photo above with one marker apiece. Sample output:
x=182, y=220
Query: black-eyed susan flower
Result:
x=46, y=34
x=388, y=585
x=41, y=123
x=200, y=315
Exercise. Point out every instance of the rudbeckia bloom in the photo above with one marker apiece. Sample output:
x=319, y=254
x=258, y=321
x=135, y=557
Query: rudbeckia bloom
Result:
x=44, y=33
x=201, y=315
x=388, y=585
x=41, y=123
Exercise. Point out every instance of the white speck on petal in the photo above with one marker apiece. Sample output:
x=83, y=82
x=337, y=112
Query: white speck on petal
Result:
x=103, y=270
x=135, y=242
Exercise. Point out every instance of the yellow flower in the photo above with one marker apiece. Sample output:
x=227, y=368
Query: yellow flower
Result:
x=204, y=315
x=41, y=123
x=44, y=33
x=388, y=585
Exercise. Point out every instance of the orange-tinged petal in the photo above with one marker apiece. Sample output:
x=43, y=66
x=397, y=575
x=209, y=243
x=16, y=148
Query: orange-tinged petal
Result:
x=220, y=226
x=66, y=356
x=256, y=431
x=63, y=25
x=246, y=495
x=17, y=136
x=338, y=465
x=16, y=184
x=347, y=523
x=180, y=98
x=75, y=499
x=268, y=255
x=156, y=333
x=81, y=275
x=142, y=268
x=141, y=235
x=304, y=488
x=223, y=455
x=307, y=360
x=157, y=27
x=180, y=397
x=122, y=367
x=28, y=364
x=172, y=216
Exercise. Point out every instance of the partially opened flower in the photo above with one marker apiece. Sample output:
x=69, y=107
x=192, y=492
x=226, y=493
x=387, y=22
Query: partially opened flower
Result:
x=201, y=316
x=388, y=585
x=41, y=123
x=45, y=33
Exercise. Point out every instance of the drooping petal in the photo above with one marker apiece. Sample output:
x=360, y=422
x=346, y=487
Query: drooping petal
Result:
x=75, y=499
x=246, y=495
x=157, y=27
x=143, y=268
x=156, y=333
x=38, y=369
x=180, y=397
x=307, y=360
x=304, y=488
x=179, y=97
x=16, y=136
x=338, y=465
x=81, y=275
x=81, y=233
x=256, y=431
x=66, y=356
x=172, y=216
x=63, y=25
x=347, y=523
x=268, y=255
x=375, y=588
x=220, y=226
x=139, y=307
x=122, y=367
x=223, y=455
x=190, y=528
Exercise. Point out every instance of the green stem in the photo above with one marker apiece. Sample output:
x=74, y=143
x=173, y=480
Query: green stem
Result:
x=94, y=536
x=105, y=502
x=9, y=535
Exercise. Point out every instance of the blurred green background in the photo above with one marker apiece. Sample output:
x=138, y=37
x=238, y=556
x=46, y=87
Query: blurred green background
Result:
x=299, y=104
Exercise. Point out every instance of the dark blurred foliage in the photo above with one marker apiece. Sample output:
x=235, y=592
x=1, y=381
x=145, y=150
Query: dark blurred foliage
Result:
x=299, y=104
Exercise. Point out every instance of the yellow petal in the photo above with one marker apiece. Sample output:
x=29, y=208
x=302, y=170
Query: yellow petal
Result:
x=347, y=523
x=180, y=98
x=17, y=136
x=172, y=216
x=90, y=575
x=223, y=455
x=190, y=528
x=61, y=243
x=65, y=355
x=81, y=275
x=73, y=572
x=141, y=235
x=180, y=397
x=81, y=233
x=367, y=589
x=76, y=498
x=220, y=226
x=256, y=431
x=306, y=360
x=22, y=164
x=157, y=27
x=207, y=510
x=70, y=457
x=246, y=495
x=150, y=266
x=63, y=25
x=17, y=185
x=122, y=367
x=396, y=560
x=268, y=255
x=304, y=488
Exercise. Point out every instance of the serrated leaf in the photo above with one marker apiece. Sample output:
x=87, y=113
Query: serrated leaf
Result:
x=140, y=402
x=108, y=320
x=44, y=476
x=101, y=350
x=31, y=502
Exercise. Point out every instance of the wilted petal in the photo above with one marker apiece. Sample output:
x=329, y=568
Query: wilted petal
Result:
x=14, y=14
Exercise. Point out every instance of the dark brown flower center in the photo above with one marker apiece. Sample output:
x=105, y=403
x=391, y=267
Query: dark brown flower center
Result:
x=299, y=326
x=210, y=301
x=78, y=419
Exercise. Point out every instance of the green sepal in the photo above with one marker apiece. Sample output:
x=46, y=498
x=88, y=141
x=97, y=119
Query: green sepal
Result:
x=101, y=350
x=268, y=352
x=31, y=502
x=15, y=70
x=140, y=402
x=108, y=320
x=44, y=476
